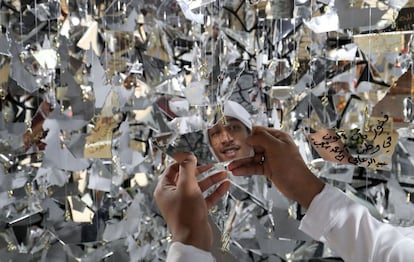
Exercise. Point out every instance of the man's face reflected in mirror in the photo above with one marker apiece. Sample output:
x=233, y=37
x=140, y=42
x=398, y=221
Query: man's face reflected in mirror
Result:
x=229, y=141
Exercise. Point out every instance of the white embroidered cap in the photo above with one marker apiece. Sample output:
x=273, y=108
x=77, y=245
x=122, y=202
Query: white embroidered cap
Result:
x=235, y=110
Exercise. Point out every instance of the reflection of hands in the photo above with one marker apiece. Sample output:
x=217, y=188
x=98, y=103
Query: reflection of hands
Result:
x=182, y=204
x=278, y=158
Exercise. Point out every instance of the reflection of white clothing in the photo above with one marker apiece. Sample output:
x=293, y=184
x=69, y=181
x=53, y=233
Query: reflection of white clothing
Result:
x=350, y=231
x=346, y=227
x=183, y=253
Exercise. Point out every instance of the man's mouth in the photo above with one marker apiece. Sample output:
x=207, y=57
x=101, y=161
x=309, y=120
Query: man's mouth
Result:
x=230, y=152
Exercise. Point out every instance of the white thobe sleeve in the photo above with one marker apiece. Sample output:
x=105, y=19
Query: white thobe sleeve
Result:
x=179, y=252
x=350, y=231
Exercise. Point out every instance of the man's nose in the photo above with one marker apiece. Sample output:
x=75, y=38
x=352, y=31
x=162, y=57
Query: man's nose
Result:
x=226, y=137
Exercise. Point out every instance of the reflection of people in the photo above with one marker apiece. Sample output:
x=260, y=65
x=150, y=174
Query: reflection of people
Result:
x=34, y=135
x=183, y=206
x=228, y=141
x=346, y=226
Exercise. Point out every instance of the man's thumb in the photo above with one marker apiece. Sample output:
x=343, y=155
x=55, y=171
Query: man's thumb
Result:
x=187, y=170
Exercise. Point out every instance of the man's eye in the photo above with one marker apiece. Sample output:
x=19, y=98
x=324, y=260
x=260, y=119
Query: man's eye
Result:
x=215, y=133
x=232, y=127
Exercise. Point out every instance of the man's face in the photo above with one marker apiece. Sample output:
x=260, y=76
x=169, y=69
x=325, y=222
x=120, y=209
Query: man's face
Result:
x=229, y=141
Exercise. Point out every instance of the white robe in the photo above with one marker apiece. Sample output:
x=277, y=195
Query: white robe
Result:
x=344, y=225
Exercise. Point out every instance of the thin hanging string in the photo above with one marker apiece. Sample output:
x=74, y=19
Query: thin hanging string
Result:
x=220, y=43
x=296, y=56
x=98, y=196
x=278, y=57
x=95, y=192
x=126, y=40
x=214, y=47
x=22, y=44
x=21, y=27
x=114, y=54
x=55, y=100
x=369, y=42
x=105, y=48
x=369, y=75
x=296, y=62
x=311, y=36
x=47, y=70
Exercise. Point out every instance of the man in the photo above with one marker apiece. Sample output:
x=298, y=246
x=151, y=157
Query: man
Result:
x=227, y=141
x=227, y=138
x=346, y=226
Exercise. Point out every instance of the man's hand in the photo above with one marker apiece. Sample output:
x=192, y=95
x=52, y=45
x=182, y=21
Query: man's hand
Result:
x=278, y=158
x=179, y=197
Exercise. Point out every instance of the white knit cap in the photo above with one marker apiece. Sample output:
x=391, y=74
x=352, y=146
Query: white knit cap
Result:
x=235, y=110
